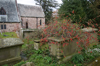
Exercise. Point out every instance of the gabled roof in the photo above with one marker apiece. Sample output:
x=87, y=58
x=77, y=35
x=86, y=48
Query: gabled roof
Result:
x=11, y=11
x=30, y=11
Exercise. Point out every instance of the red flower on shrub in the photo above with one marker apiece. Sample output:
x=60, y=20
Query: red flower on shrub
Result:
x=90, y=51
x=61, y=51
x=64, y=44
x=77, y=42
x=53, y=42
x=73, y=11
x=67, y=43
x=79, y=52
x=96, y=24
x=71, y=39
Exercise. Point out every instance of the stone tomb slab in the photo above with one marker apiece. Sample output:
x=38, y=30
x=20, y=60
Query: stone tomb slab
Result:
x=10, y=49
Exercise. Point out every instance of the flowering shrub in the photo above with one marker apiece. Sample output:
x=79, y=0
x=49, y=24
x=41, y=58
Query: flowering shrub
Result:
x=65, y=29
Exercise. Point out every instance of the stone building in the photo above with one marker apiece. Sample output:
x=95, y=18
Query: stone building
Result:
x=32, y=17
x=14, y=16
x=9, y=20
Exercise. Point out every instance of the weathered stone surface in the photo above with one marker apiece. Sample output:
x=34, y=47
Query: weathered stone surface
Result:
x=29, y=33
x=6, y=42
x=23, y=65
x=28, y=64
x=10, y=27
x=55, y=49
x=65, y=59
x=36, y=46
x=38, y=41
x=91, y=34
x=10, y=49
x=89, y=29
x=96, y=62
x=57, y=39
x=72, y=47
x=10, y=60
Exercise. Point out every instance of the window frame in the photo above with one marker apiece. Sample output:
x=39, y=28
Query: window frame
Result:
x=1, y=26
x=2, y=11
x=4, y=26
x=40, y=22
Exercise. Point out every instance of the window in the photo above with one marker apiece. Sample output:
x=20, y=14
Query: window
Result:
x=21, y=22
x=1, y=26
x=3, y=18
x=40, y=22
x=4, y=26
x=26, y=25
x=2, y=11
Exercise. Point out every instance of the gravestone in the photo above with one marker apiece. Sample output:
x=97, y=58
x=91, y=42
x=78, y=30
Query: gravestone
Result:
x=10, y=49
x=72, y=48
x=38, y=45
x=91, y=34
x=59, y=50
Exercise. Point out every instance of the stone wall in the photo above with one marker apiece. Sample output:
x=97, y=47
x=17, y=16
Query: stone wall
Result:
x=10, y=27
x=32, y=22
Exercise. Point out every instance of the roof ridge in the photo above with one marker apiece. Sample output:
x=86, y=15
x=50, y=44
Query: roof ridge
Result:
x=28, y=5
x=30, y=10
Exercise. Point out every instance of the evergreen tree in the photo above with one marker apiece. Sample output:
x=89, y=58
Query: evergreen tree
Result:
x=95, y=10
x=79, y=10
x=47, y=6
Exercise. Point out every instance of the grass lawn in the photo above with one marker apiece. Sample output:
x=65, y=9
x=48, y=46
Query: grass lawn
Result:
x=8, y=35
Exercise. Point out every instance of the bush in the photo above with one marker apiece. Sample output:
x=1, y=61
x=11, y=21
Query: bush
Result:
x=20, y=63
x=5, y=65
x=48, y=59
x=63, y=29
x=78, y=58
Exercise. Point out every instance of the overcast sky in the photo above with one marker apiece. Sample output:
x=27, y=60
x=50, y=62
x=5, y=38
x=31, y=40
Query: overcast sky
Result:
x=31, y=2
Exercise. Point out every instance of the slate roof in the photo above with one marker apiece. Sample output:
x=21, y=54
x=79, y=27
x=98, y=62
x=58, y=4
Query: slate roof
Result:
x=11, y=10
x=30, y=11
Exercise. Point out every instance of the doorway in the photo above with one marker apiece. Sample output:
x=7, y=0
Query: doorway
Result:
x=26, y=25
